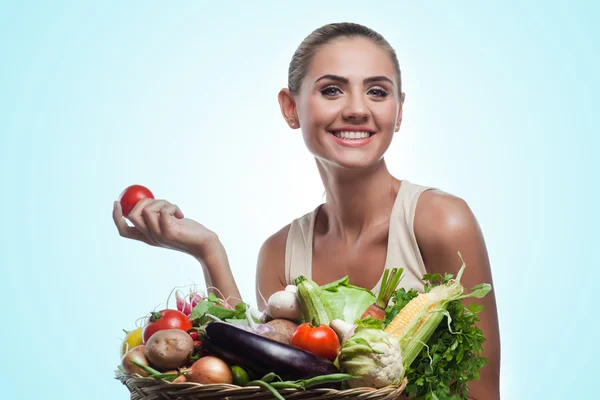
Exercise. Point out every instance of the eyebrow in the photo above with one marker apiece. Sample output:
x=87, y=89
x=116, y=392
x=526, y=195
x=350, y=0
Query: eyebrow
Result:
x=345, y=80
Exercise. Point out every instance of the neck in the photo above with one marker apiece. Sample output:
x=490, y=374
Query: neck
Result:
x=357, y=199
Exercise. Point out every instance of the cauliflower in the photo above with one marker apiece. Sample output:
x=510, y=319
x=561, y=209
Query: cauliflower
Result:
x=372, y=355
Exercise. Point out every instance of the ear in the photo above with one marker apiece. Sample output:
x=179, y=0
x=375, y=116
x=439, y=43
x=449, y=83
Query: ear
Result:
x=288, y=108
x=399, y=116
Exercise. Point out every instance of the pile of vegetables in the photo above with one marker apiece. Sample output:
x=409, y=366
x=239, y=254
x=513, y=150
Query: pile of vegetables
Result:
x=336, y=335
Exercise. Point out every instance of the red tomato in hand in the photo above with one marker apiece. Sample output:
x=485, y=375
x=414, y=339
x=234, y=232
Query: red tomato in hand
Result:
x=320, y=340
x=165, y=319
x=132, y=195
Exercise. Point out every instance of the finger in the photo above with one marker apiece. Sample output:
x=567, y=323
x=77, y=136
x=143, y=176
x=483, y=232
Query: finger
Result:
x=151, y=216
x=178, y=213
x=174, y=211
x=136, y=218
x=125, y=230
x=166, y=219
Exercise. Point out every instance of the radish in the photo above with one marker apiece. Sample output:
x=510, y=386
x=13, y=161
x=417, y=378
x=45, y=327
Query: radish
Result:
x=186, y=306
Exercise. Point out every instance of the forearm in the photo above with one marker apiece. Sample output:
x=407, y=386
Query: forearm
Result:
x=217, y=272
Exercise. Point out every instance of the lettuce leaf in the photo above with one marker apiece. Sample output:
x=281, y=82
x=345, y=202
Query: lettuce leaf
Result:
x=347, y=302
x=212, y=305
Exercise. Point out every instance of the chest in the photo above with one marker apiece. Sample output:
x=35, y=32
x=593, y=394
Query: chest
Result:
x=362, y=261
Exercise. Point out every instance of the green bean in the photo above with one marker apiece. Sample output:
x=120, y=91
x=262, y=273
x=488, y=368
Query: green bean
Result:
x=267, y=386
x=146, y=368
x=269, y=377
x=286, y=385
x=154, y=373
x=331, y=378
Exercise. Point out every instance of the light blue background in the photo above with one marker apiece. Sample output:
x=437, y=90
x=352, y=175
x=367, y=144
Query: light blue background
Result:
x=500, y=110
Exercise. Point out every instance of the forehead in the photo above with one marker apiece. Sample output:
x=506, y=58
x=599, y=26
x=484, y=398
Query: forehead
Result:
x=352, y=58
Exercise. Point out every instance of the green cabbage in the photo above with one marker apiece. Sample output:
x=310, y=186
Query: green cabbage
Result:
x=347, y=302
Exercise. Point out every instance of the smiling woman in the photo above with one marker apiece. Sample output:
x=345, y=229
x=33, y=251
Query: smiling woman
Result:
x=345, y=96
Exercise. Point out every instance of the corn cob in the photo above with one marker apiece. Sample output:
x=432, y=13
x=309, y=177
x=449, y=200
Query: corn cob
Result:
x=416, y=322
x=414, y=325
x=396, y=327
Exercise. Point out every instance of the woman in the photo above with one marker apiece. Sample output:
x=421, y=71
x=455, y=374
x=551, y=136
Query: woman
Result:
x=345, y=95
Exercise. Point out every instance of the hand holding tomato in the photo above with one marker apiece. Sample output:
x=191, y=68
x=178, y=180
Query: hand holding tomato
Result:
x=130, y=197
x=159, y=223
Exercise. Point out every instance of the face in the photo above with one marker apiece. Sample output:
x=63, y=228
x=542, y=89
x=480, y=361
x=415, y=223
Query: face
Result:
x=348, y=106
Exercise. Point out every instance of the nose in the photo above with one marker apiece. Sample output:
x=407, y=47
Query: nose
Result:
x=355, y=109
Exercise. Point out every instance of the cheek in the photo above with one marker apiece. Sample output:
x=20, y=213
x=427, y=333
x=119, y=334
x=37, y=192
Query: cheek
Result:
x=388, y=113
x=320, y=112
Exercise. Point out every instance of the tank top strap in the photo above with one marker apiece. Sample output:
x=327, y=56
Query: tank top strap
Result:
x=299, y=245
x=403, y=250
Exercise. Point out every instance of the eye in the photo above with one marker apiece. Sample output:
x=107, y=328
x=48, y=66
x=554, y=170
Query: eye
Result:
x=378, y=92
x=330, y=91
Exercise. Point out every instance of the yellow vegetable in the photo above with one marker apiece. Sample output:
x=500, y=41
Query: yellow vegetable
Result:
x=132, y=339
x=416, y=322
x=396, y=328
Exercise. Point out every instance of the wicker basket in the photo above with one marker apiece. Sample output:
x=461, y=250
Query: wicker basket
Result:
x=152, y=389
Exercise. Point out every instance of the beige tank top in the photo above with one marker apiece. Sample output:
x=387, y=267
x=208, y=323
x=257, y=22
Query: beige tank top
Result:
x=402, y=249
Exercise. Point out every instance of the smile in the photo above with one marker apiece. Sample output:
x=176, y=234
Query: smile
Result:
x=349, y=135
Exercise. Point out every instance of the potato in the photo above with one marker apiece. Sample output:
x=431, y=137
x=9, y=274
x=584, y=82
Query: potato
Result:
x=136, y=354
x=169, y=348
x=284, y=326
x=280, y=337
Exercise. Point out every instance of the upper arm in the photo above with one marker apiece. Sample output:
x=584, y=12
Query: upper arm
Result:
x=444, y=226
x=270, y=271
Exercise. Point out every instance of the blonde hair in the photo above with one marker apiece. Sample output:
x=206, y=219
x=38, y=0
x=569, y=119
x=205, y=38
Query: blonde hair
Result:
x=322, y=36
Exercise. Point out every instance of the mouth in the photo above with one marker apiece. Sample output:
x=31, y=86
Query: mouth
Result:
x=352, y=135
x=352, y=138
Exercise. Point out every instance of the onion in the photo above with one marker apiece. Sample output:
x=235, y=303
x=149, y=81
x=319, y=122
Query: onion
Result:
x=291, y=288
x=209, y=369
x=135, y=354
x=284, y=305
x=343, y=329
x=242, y=326
x=263, y=328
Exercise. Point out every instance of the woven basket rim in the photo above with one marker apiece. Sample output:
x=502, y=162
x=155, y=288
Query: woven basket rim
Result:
x=135, y=380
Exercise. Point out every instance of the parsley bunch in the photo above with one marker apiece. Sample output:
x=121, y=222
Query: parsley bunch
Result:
x=452, y=356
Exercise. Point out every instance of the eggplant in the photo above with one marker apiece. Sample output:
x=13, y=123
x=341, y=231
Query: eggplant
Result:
x=263, y=355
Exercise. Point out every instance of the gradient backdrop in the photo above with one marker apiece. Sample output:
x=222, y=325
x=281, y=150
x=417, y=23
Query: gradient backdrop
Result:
x=501, y=99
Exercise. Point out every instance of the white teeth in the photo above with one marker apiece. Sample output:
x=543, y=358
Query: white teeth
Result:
x=352, y=135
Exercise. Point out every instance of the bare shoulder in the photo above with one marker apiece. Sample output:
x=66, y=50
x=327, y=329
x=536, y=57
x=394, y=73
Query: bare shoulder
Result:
x=440, y=216
x=270, y=270
x=445, y=225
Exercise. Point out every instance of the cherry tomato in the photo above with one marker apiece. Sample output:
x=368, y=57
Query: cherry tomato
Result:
x=132, y=195
x=165, y=319
x=320, y=340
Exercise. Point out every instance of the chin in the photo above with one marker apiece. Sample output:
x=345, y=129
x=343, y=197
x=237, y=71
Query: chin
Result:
x=353, y=162
x=361, y=157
